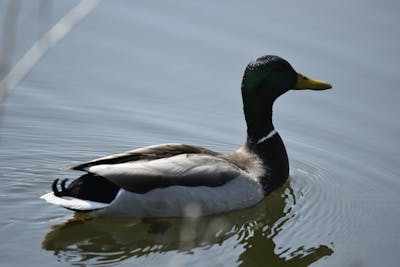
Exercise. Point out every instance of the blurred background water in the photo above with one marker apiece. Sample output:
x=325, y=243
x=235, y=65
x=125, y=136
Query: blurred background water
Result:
x=136, y=73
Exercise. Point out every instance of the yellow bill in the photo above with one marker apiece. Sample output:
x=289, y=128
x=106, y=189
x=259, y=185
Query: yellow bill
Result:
x=304, y=82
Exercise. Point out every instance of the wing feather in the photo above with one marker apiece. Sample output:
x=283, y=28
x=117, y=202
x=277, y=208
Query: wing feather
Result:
x=144, y=169
x=146, y=153
x=183, y=169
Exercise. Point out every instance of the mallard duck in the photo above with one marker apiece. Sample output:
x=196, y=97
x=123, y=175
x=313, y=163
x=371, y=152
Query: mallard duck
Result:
x=176, y=180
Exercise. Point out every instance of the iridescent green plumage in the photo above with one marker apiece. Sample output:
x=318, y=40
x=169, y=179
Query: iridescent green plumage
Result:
x=264, y=80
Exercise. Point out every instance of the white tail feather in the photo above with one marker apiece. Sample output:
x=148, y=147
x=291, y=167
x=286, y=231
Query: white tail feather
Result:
x=73, y=203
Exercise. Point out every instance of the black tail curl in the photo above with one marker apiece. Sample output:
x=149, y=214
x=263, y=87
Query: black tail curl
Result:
x=89, y=187
x=63, y=191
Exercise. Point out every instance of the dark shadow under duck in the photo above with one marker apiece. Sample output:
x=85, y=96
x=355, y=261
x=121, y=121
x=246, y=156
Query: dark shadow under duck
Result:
x=169, y=180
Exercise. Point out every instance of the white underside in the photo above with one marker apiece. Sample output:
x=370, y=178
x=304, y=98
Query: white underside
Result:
x=173, y=201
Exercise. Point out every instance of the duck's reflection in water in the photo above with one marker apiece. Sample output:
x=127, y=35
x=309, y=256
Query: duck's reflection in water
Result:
x=104, y=241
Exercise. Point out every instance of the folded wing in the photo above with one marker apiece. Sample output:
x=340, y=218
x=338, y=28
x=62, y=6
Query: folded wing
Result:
x=160, y=166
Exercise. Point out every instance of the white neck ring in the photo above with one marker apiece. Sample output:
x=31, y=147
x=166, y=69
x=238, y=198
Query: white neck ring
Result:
x=268, y=136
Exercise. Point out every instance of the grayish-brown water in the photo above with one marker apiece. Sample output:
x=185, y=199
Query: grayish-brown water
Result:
x=135, y=73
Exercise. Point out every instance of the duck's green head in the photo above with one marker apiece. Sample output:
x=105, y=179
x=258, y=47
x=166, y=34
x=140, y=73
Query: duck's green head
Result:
x=272, y=76
x=264, y=80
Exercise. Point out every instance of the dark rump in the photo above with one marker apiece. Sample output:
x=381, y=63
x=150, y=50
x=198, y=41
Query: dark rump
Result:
x=89, y=187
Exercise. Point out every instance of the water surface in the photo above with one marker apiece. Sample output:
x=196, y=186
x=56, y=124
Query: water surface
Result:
x=140, y=73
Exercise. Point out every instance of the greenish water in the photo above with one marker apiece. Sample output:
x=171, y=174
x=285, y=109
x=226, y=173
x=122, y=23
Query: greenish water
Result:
x=134, y=74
